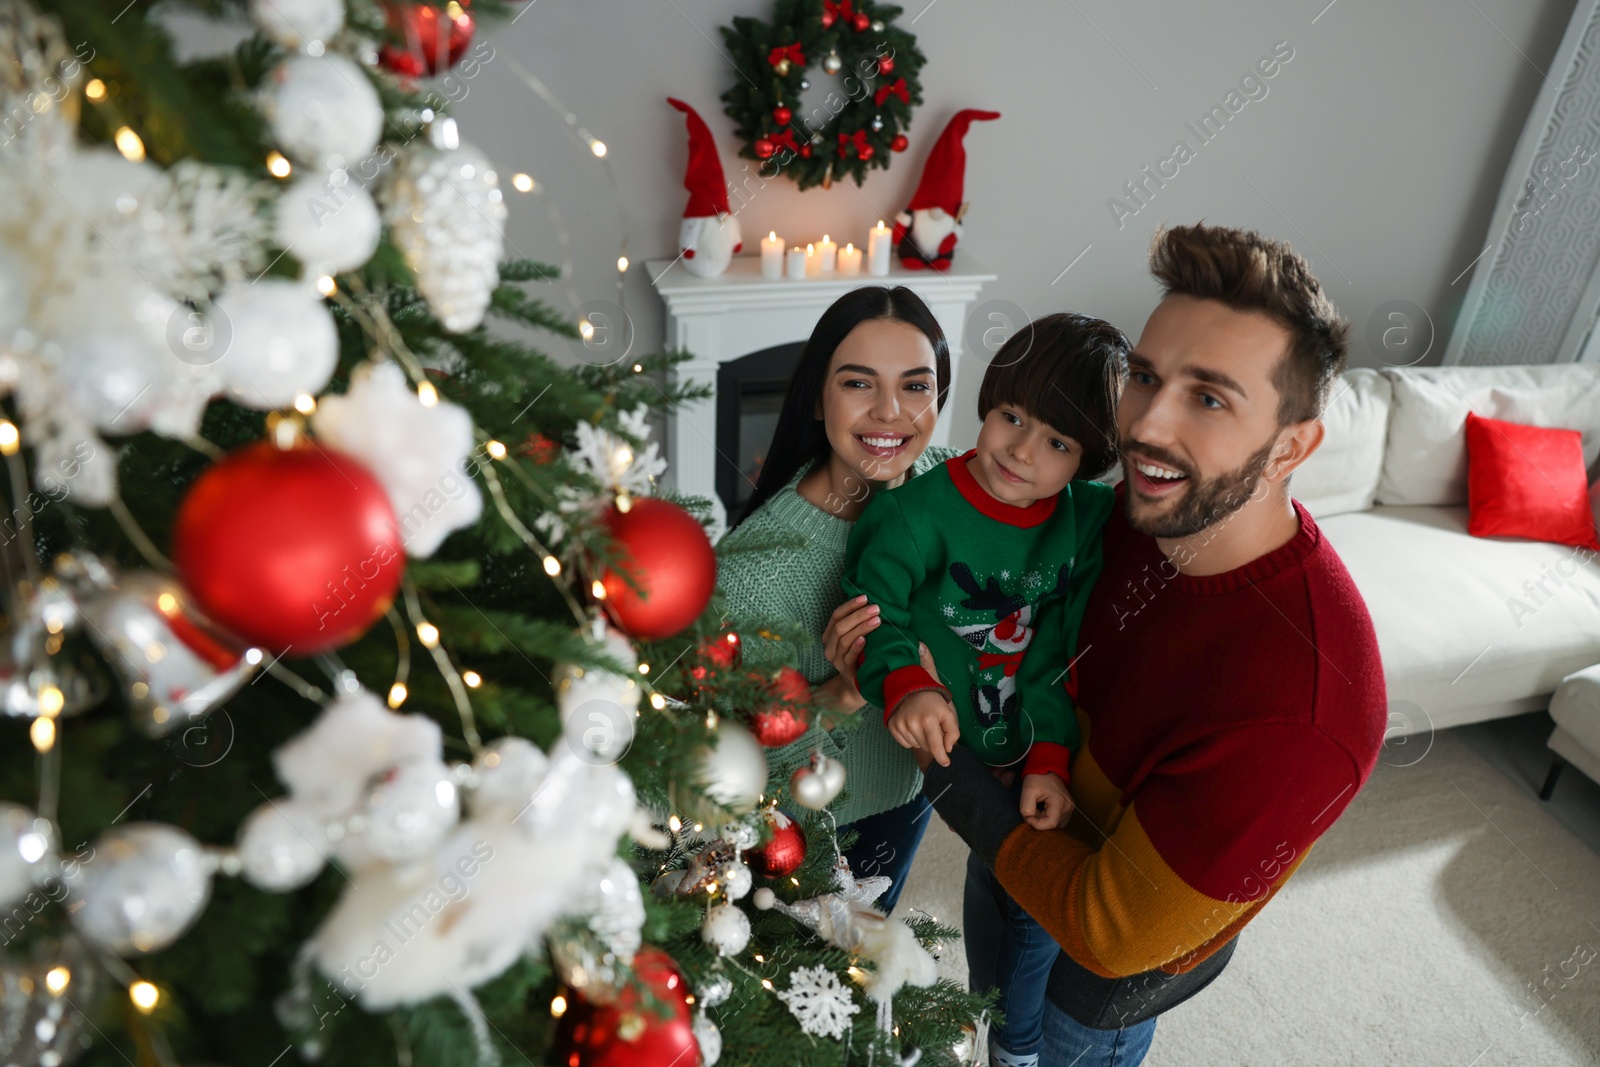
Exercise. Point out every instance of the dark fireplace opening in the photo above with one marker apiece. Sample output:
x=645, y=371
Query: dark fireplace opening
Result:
x=749, y=398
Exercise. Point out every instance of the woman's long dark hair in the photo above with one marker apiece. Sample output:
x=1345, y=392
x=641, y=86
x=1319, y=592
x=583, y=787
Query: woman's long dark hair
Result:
x=801, y=437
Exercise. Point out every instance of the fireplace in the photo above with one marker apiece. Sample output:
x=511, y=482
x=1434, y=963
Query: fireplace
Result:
x=749, y=397
x=745, y=333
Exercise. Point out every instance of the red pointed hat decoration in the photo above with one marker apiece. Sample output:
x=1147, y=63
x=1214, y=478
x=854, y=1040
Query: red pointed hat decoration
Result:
x=945, y=171
x=708, y=190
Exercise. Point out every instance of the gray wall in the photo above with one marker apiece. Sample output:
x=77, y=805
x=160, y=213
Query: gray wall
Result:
x=1377, y=150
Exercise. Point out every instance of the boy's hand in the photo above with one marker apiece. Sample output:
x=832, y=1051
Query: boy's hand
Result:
x=926, y=720
x=1045, y=803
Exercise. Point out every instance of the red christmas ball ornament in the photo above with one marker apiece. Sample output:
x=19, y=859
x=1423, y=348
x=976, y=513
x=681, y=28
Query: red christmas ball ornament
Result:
x=780, y=724
x=886, y=65
x=900, y=142
x=296, y=550
x=630, y=1032
x=805, y=151
x=827, y=18
x=865, y=152
x=668, y=554
x=781, y=856
x=781, y=115
x=764, y=148
x=430, y=39
x=541, y=448
x=721, y=651
x=861, y=21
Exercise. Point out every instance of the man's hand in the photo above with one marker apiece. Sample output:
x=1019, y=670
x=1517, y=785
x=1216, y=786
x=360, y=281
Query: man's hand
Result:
x=925, y=720
x=1045, y=803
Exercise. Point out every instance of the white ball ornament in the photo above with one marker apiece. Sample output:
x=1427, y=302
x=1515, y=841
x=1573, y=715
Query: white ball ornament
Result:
x=726, y=929
x=282, y=846
x=146, y=885
x=294, y=23
x=27, y=852
x=508, y=772
x=411, y=810
x=764, y=899
x=708, y=1037
x=320, y=107
x=598, y=707
x=734, y=768
x=327, y=221
x=283, y=343
x=735, y=879
x=816, y=784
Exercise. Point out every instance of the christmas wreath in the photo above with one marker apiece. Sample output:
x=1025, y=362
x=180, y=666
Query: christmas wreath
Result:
x=859, y=125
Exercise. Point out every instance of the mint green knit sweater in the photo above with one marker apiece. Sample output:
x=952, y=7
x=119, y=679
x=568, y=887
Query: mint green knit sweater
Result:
x=802, y=585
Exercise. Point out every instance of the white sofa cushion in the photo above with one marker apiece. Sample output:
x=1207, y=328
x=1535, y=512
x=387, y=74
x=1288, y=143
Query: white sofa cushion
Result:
x=1342, y=474
x=1462, y=637
x=1425, y=462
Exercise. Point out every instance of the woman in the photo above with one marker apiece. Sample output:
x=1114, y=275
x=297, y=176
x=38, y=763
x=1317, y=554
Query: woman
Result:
x=857, y=417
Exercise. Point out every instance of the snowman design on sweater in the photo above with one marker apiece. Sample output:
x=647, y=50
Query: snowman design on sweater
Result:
x=1000, y=638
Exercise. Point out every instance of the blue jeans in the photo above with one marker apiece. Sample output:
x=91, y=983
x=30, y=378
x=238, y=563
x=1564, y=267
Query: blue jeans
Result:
x=886, y=843
x=1020, y=958
x=1068, y=1043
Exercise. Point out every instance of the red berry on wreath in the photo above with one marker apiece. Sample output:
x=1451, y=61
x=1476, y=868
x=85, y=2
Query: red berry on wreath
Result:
x=782, y=856
x=293, y=549
x=669, y=556
x=764, y=148
x=900, y=142
x=827, y=18
x=886, y=65
x=720, y=651
x=805, y=151
x=431, y=39
x=861, y=21
x=781, y=115
x=629, y=1033
x=779, y=724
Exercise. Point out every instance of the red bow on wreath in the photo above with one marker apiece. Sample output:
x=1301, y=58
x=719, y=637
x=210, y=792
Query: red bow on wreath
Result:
x=790, y=52
x=863, y=149
x=894, y=88
x=831, y=11
x=784, y=139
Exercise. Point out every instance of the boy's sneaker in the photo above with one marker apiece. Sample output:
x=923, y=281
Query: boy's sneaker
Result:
x=999, y=1057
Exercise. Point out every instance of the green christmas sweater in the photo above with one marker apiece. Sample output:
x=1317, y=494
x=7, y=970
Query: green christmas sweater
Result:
x=995, y=591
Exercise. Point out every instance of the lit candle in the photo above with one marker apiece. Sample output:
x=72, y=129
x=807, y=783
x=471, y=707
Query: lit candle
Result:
x=797, y=262
x=850, y=261
x=828, y=250
x=772, y=256
x=813, y=262
x=878, y=248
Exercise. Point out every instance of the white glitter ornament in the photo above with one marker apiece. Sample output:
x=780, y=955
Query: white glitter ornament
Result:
x=820, y=1002
x=323, y=110
x=295, y=23
x=27, y=852
x=726, y=928
x=282, y=846
x=410, y=810
x=598, y=707
x=147, y=884
x=507, y=773
x=814, y=785
x=734, y=768
x=418, y=451
x=327, y=221
x=735, y=879
x=445, y=210
x=708, y=1037
x=615, y=909
x=282, y=343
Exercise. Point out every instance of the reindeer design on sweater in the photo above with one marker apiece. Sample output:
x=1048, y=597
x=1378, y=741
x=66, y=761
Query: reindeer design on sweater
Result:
x=1000, y=640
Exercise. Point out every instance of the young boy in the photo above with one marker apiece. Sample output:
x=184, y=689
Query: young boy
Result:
x=988, y=561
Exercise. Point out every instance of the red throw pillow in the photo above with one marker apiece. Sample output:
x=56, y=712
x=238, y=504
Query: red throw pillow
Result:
x=1527, y=481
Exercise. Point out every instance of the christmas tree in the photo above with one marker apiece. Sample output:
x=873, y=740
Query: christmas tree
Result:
x=365, y=698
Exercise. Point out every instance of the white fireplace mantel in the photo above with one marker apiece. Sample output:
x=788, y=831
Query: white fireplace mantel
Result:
x=739, y=312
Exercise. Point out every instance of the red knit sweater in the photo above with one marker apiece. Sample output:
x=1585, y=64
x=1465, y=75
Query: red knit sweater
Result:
x=1227, y=721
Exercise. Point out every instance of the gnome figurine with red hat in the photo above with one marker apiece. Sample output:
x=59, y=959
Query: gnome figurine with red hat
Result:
x=709, y=236
x=928, y=229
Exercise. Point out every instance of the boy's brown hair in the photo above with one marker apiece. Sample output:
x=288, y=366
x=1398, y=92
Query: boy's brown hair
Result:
x=1249, y=272
x=1066, y=370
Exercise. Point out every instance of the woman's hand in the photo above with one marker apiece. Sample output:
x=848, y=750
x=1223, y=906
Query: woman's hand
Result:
x=846, y=635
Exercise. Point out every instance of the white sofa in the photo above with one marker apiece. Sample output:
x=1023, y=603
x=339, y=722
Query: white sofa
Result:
x=1464, y=629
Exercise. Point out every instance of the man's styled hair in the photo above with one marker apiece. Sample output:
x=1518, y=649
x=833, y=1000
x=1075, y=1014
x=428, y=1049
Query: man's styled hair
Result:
x=1249, y=272
x=1066, y=370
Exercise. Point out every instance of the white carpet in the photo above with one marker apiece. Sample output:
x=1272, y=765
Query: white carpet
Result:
x=1415, y=933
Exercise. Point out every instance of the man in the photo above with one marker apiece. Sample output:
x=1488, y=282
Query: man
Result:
x=1227, y=680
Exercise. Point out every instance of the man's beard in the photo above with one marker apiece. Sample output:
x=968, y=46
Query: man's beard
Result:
x=1204, y=502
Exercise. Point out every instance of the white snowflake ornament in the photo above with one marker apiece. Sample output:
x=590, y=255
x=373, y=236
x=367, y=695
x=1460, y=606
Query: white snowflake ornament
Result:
x=819, y=1001
x=418, y=451
x=610, y=460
